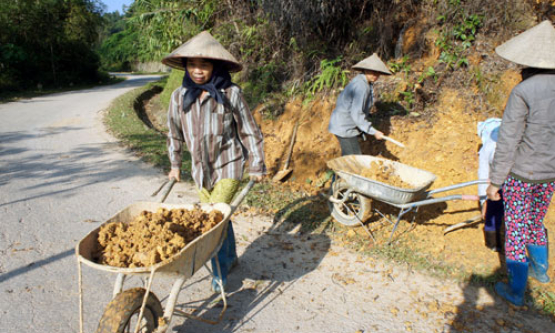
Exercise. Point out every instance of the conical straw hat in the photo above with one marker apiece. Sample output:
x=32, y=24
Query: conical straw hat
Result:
x=205, y=46
x=534, y=47
x=373, y=63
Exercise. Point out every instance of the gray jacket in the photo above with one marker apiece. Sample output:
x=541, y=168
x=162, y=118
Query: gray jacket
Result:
x=353, y=104
x=526, y=142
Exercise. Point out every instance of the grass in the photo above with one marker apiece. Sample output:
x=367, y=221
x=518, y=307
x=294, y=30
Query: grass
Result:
x=294, y=208
x=123, y=122
x=403, y=250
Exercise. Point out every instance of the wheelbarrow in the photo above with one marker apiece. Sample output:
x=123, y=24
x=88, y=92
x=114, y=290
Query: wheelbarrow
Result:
x=138, y=309
x=352, y=194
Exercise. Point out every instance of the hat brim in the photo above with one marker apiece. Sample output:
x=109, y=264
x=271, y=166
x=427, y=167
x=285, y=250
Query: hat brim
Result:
x=362, y=69
x=177, y=63
x=534, y=47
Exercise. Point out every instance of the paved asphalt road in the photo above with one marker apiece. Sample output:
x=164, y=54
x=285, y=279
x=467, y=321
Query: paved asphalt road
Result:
x=60, y=175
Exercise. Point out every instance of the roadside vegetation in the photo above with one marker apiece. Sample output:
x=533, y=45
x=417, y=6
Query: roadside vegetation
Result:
x=49, y=44
x=125, y=119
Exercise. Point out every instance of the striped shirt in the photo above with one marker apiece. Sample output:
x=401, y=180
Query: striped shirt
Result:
x=221, y=139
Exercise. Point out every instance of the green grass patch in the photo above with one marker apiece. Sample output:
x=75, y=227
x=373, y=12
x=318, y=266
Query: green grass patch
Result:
x=296, y=208
x=404, y=249
x=543, y=300
x=122, y=120
x=174, y=80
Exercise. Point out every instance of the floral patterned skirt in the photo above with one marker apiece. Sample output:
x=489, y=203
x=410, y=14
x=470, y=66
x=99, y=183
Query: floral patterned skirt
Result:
x=526, y=205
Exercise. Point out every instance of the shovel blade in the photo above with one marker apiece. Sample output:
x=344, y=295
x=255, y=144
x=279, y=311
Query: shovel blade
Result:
x=281, y=175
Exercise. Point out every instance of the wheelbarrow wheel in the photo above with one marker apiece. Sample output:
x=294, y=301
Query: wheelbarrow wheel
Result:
x=122, y=313
x=354, y=209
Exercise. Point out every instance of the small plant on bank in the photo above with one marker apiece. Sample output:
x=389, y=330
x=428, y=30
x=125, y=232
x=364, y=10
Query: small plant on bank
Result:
x=458, y=36
x=544, y=300
x=401, y=66
x=331, y=76
x=430, y=72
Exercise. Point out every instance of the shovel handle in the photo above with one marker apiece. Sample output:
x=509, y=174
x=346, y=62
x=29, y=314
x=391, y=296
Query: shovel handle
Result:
x=291, y=147
x=394, y=141
x=237, y=201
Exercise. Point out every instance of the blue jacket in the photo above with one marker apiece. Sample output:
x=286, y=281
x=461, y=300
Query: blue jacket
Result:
x=353, y=104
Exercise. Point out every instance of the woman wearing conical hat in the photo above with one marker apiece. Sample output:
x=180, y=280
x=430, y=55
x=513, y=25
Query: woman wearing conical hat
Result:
x=349, y=118
x=208, y=113
x=524, y=163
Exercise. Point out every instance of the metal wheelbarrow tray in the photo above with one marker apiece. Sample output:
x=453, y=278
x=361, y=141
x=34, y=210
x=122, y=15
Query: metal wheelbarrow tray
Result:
x=184, y=263
x=349, y=168
x=181, y=266
x=347, y=199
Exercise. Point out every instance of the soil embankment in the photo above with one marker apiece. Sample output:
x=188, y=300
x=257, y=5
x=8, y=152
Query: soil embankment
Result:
x=444, y=143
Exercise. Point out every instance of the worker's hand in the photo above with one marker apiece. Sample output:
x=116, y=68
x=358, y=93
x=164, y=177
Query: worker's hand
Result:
x=378, y=135
x=493, y=193
x=256, y=178
x=175, y=173
x=484, y=208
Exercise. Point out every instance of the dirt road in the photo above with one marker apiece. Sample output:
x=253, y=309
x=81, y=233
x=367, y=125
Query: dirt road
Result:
x=61, y=175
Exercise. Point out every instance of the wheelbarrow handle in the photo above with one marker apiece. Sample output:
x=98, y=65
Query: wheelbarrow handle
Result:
x=457, y=186
x=237, y=201
x=159, y=188
x=168, y=189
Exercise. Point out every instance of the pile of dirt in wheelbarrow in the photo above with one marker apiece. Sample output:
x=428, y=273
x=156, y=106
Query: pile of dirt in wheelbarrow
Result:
x=378, y=170
x=151, y=238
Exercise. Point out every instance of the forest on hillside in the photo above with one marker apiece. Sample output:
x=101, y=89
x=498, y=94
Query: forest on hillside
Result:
x=288, y=47
x=291, y=48
x=49, y=43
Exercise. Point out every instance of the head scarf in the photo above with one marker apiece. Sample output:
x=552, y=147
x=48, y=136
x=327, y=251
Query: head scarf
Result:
x=528, y=72
x=220, y=80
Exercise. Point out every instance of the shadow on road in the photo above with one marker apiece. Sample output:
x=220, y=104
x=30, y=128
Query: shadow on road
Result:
x=475, y=316
x=70, y=171
x=34, y=265
x=271, y=264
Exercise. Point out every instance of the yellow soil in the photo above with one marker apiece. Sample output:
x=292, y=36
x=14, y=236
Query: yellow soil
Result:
x=380, y=171
x=151, y=238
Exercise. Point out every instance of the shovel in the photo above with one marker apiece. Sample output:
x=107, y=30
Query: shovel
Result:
x=394, y=141
x=283, y=173
x=475, y=219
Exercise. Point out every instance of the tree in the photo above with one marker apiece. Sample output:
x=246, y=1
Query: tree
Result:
x=48, y=42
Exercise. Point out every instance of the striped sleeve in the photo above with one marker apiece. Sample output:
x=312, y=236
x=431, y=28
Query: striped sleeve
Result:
x=250, y=134
x=175, y=133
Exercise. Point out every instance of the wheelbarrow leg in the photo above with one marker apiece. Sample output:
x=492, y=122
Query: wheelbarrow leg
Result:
x=401, y=213
x=170, y=304
x=118, y=285
x=414, y=217
x=190, y=316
